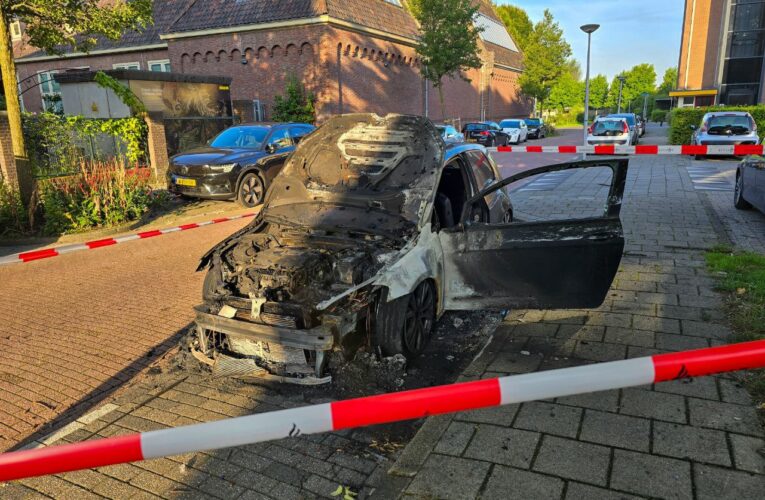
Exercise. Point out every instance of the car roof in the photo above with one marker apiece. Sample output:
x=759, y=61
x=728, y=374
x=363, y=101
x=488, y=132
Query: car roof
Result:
x=453, y=150
x=623, y=115
x=727, y=113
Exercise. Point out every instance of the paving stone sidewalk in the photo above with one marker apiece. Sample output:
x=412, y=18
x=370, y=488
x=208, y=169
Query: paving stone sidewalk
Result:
x=693, y=439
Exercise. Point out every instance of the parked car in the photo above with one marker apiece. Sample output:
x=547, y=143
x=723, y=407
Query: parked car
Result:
x=450, y=134
x=536, y=128
x=239, y=163
x=516, y=129
x=486, y=133
x=371, y=232
x=725, y=128
x=632, y=121
x=750, y=183
x=604, y=131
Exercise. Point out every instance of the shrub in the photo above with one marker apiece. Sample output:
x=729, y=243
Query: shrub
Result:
x=296, y=105
x=100, y=194
x=681, y=120
x=658, y=115
x=13, y=216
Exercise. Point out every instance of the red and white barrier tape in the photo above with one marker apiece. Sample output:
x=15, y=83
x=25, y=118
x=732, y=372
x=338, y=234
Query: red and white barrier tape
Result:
x=89, y=245
x=380, y=409
x=644, y=149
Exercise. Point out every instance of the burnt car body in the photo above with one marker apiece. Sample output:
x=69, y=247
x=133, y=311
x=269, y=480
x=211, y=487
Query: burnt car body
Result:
x=239, y=163
x=371, y=232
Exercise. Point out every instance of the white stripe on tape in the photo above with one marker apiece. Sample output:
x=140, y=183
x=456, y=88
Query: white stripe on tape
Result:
x=128, y=237
x=72, y=248
x=577, y=380
x=237, y=431
x=9, y=259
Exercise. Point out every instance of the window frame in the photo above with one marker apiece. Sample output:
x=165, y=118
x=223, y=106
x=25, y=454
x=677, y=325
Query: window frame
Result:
x=45, y=95
x=165, y=63
x=122, y=65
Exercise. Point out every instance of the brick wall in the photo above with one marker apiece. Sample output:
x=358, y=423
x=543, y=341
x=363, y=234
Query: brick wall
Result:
x=32, y=98
x=700, y=38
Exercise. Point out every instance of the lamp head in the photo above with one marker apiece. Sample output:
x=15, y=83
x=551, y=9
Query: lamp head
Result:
x=589, y=28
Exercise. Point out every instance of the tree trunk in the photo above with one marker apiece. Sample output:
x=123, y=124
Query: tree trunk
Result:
x=10, y=86
x=441, y=100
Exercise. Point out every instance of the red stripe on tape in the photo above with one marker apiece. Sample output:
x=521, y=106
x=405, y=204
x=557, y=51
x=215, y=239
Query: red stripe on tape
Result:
x=646, y=149
x=222, y=219
x=415, y=404
x=55, y=459
x=566, y=149
x=533, y=149
x=701, y=362
x=193, y=225
x=604, y=150
x=101, y=243
x=504, y=149
x=149, y=234
x=38, y=254
x=691, y=149
x=747, y=149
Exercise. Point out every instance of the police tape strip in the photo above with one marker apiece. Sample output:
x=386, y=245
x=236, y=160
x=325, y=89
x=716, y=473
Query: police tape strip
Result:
x=380, y=409
x=18, y=258
x=644, y=149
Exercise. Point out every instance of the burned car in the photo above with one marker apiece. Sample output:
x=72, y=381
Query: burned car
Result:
x=374, y=228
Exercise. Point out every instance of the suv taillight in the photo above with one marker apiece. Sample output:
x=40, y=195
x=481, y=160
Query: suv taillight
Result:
x=485, y=132
x=625, y=128
x=591, y=128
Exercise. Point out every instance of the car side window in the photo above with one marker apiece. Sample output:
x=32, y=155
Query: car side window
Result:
x=297, y=133
x=280, y=139
x=482, y=171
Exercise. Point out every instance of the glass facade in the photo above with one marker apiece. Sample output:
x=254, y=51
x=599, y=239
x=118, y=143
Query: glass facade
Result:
x=742, y=67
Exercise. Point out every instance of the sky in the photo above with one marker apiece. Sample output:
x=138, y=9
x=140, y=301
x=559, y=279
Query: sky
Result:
x=631, y=31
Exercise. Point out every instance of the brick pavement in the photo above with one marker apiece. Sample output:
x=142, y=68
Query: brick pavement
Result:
x=77, y=327
x=686, y=439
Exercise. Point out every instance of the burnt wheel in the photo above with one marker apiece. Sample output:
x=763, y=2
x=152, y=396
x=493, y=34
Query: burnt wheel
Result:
x=403, y=325
x=251, y=190
x=419, y=319
x=738, y=195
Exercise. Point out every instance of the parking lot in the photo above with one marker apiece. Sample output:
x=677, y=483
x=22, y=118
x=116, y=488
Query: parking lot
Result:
x=85, y=328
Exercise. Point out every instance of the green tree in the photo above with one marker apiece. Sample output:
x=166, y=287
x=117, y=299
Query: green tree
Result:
x=668, y=82
x=640, y=78
x=53, y=25
x=296, y=105
x=517, y=22
x=448, y=41
x=566, y=93
x=598, y=91
x=545, y=59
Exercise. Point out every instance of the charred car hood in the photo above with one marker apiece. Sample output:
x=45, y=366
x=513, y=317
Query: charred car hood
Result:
x=216, y=156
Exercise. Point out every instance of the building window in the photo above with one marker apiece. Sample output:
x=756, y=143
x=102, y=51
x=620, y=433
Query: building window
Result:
x=130, y=65
x=16, y=30
x=51, y=92
x=742, y=67
x=161, y=66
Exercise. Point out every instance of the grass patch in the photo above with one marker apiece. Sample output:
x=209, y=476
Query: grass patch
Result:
x=741, y=275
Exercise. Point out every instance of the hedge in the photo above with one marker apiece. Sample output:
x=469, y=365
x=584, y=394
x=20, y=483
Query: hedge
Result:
x=681, y=119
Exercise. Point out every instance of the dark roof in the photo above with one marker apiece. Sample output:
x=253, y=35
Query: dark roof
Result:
x=134, y=74
x=165, y=13
x=213, y=14
x=505, y=56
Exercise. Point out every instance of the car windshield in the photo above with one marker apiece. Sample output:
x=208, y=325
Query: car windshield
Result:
x=510, y=124
x=250, y=137
x=630, y=119
x=532, y=121
x=476, y=126
x=736, y=123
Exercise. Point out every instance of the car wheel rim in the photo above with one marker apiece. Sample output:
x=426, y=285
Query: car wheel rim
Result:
x=419, y=318
x=252, y=190
x=738, y=189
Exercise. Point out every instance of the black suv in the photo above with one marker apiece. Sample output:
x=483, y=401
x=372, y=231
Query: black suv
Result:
x=239, y=163
x=486, y=133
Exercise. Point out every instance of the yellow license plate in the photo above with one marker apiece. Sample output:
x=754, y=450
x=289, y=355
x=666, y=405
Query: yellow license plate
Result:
x=186, y=182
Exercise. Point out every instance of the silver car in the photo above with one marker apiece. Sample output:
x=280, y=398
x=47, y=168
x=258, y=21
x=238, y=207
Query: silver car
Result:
x=725, y=128
x=609, y=131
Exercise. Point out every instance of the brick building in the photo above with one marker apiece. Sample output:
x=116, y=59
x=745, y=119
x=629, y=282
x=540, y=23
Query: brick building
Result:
x=354, y=55
x=721, y=55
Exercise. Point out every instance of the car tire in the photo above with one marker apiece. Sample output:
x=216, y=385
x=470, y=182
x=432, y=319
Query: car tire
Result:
x=738, y=194
x=403, y=325
x=251, y=190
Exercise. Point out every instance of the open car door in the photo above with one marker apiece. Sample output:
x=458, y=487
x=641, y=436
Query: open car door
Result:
x=539, y=264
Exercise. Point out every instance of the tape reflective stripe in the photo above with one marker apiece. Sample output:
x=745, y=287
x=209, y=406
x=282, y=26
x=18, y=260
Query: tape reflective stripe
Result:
x=641, y=149
x=744, y=356
x=188, y=226
x=382, y=409
x=418, y=403
x=150, y=234
x=69, y=457
x=101, y=243
x=38, y=254
x=237, y=431
x=567, y=149
x=646, y=150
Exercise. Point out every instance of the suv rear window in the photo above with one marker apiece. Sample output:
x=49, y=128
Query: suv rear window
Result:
x=737, y=123
x=608, y=127
x=630, y=119
x=532, y=121
x=476, y=126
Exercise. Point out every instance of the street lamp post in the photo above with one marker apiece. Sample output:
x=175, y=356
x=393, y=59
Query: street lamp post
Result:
x=621, y=79
x=589, y=29
x=645, y=105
